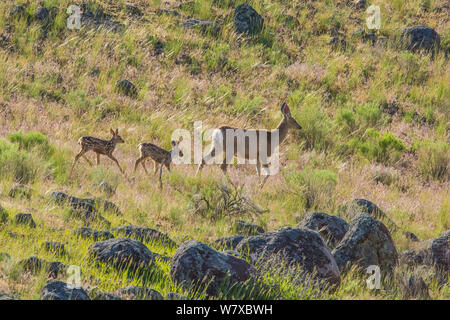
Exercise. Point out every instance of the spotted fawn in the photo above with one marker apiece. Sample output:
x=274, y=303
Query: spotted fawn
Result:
x=159, y=156
x=99, y=146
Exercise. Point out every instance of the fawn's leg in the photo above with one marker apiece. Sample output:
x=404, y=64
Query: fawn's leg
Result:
x=143, y=166
x=98, y=158
x=77, y=157
x=139, y=160
x=115, y=160
x=155, y=167
x=86, y=158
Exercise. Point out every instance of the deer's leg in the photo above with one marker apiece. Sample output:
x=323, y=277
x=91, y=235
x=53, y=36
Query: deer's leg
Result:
x=160, y=175
x=145, y=168
x=155, y=167
x=86, y=158
x=224, y=165
x=265, y=178
x=77, y=157
x=115, y=160
x=209, y=156
x=139, y=160
x=98, y=158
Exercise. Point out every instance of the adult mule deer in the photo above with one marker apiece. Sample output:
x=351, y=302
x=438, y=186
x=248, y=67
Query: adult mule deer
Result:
x=250, y=144
x=99, y=146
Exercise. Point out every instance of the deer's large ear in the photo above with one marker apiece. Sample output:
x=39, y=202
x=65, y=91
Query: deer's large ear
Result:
x=117, y=131
x=112, y=131
x=285, y=109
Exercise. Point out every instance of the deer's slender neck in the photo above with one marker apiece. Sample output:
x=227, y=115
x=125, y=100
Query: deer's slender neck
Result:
x=283, y=129
x=112, y=142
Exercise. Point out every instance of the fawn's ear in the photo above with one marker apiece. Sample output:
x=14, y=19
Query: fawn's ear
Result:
x=112, y=132
x=173, y=143
x=117, y=131
x=285, y=109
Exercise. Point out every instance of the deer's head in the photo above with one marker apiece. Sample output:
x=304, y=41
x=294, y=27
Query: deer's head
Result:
x=116, y=137
x=292, y=123
x=176, y=151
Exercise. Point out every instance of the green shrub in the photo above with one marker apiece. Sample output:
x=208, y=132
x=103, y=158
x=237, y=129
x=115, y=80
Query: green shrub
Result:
x=18, y=165
x=315, y=186
x=32, y=141
x=433, y=158
x=380, y=148
x=315, y=128
x=346, y=121
x=369, y=115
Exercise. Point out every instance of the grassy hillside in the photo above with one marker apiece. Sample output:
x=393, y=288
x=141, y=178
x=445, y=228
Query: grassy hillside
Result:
x=375, y=124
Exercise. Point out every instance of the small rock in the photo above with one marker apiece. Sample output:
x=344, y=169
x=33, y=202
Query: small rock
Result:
x=141, y=293
x=17, y=11
x=97, y=294
x=54, y=247
x=25, y=219
x=413, y=286
x=229, y=242
x=41, y=14
x=58, y=290
x=246, y=228
x=127, y=88
x=183, y=59
x=360, y=4
x=20, y=191
x=158, y=48
x=338, y=43
x=175, y=296
x=331, y=228
x=122, y=253
x=247, y=20
x=420, y=38
x=87, y=233
x=133, y=9
x=196, y=264
x=368, y=242
x=144, y=234
x=4, y=296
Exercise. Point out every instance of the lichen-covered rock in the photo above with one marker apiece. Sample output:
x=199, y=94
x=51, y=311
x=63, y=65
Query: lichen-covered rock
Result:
x=4, y=296
x=141, y=293
x=196, y=264
x=247, y=228
x=58, y=290
x=25, y=219
x=247, y=20
x=34, y=265
x=96, y=294
x=420, y=38
x=122, y=253
x=88, y=233
x=143, y=234
x=331, y=228
x=430, y=252
x=228, y=242
x=299, y=246
x=368, y=242
x=175, y=296
x=41, y=14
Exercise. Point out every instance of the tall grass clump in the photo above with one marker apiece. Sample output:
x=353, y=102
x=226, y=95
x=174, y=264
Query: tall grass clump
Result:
x=315, y=187
x=433, y=159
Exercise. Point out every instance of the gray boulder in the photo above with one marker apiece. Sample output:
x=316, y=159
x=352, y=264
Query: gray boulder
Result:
x=58, y=290
x=122, y=253
x=420, y=38
x=295, y=246
x=196, y=264
x=143, y=234
x=228, y=242
x=247, y=20
x=41, y=14
x=25, y=219
x=88, y=233
x=331, y=228
x=368, y=242
x=127, y=88
x=141, y=293
x=247, y=228
x=433, y=252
